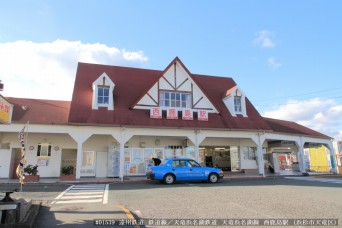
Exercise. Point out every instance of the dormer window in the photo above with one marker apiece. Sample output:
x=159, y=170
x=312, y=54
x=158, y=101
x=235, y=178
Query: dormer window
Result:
x=237, y=104
x=103, y=92
x=175, y=99
x=103, y=95
x=235, y=101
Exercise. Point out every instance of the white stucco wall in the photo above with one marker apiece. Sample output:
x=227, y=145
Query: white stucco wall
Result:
x=5, y=163
x=98, y=143
x=57, y=141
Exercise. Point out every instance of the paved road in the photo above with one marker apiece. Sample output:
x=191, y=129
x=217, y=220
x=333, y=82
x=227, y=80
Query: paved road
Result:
x=244, y=199
x=39, y=192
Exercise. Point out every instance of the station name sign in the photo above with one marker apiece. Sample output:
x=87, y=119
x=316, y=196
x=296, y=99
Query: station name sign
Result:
x=172, y=114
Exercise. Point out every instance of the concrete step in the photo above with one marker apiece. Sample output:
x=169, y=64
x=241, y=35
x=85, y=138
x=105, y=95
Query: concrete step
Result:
x=29, y=218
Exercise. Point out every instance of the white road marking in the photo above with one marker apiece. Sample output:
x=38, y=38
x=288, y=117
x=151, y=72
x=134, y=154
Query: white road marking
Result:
x=83, y=194
x=105, y=195
x=80, y=201
x=62, y=193
x=83, y=197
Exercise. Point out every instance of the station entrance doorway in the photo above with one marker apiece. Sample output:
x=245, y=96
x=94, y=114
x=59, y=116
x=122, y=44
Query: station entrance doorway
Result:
x=224, y=157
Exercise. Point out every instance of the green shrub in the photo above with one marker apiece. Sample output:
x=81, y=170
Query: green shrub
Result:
x=68, y=170
x=31, y=170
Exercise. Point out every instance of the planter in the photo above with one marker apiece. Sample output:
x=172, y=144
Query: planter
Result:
x=31, y=178
x=67, y=178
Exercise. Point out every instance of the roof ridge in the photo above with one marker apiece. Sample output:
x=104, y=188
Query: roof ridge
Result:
x=43, y=101
x=137, y=68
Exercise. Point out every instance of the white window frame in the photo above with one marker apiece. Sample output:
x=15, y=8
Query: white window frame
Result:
x=100, y=82
x=103, y=104
x=238, y=104
x=175, y=99
x=45, y=148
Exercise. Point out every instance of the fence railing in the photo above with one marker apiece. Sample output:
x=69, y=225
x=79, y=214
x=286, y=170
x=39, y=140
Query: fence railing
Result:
x=67, y=162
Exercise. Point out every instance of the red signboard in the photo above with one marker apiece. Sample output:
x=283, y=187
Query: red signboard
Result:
x=202, y=115
x=172, y=114
x=156, y=113
x=187, y=114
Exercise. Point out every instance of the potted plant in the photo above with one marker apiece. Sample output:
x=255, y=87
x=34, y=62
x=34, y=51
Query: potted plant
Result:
x=32, y=173
x=67, y=173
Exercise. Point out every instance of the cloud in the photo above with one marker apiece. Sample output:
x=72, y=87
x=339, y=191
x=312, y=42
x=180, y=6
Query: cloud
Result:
x=264, y=39
x=47, y=70
x=324, y=116
x=273, y=63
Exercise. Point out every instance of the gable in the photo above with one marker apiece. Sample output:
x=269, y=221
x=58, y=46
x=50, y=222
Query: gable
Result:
x=103, y=81
x=176, y=78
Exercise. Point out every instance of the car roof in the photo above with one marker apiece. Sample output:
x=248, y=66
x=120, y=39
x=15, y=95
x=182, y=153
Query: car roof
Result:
x=180, y=159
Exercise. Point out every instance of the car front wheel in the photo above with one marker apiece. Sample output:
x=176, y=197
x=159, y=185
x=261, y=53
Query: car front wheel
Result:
x=169, y=179
x=213, y=178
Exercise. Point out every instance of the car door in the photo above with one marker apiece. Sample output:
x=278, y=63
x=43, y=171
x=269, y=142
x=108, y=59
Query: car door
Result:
x=197, y=172
x=180, y=169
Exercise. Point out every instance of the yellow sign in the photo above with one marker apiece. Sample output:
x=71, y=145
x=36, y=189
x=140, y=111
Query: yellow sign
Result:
x=6, y=109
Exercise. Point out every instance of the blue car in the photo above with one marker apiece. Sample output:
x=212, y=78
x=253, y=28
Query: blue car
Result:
x=183, y=169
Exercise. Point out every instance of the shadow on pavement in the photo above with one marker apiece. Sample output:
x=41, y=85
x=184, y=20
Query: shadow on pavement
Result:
x=75, y=217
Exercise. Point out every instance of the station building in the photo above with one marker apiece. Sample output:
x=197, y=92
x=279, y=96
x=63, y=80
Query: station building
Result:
x=121, y=117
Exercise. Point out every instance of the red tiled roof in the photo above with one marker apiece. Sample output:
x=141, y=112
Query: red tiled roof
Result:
x=132, y=83
x=39, y=111
x=289, y=127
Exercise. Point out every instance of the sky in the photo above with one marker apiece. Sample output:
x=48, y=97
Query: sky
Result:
x=285, y=55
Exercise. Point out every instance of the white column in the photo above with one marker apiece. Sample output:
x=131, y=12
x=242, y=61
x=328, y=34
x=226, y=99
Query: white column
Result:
x=332, y=157
x=301, y=155
x=260, y=155
x=122, y=138
x=196, y=138
x=80, y=138
x=79, y=159
x=196, y=146
x=122, y=159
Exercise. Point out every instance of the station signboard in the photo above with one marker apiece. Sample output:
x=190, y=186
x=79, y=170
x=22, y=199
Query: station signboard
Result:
x=6, y=109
